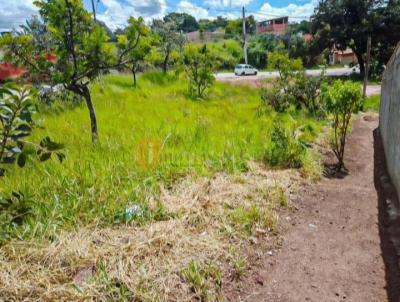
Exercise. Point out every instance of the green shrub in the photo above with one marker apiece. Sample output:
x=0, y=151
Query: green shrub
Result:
x=199, y=66
x=276, y=98
x=293, y=87
x=342, y=100
x=285, y=150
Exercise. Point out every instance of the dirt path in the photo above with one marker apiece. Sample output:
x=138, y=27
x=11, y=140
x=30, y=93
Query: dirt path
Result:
x=333, y=249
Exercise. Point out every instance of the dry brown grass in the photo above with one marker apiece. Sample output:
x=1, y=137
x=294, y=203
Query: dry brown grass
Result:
x=129, y=263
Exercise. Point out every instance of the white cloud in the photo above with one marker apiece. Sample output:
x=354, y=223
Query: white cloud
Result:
x=294, y=11
x=117, y=12
x=13, y=13
x=227, y=3
x=189, y=8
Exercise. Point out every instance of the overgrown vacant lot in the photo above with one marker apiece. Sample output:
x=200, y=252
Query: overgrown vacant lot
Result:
x=163, y=207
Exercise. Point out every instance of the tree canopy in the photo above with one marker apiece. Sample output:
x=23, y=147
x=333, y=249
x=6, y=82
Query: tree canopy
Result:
x=348, y=23
x=184, y=22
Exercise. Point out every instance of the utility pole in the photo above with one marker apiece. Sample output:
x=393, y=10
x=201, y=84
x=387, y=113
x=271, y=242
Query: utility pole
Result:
x=94, y=11
x=244, y=36
x=366, y=71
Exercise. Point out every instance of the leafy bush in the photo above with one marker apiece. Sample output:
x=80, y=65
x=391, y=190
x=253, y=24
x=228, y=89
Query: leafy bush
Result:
x=305, y=92
x=16, y=110
x=276, y=98
x=342, y=100
x=293, y=87
x=285, y=150
x=199, y=66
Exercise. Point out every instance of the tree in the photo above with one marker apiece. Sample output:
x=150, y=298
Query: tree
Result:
x=304, y=27
x=169, y=39
x=185, y=22
x=260, y=46
x=348, y=23
x=199, y=65
x=234, y=28
x=135, y=44
x=37, y=30
x=80, y=46
x=342, y=100
x=287, y=68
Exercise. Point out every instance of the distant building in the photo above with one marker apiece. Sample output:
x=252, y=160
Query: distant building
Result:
x=345, y=57
x=277, y=26
x=206, y=36
x=307, y=37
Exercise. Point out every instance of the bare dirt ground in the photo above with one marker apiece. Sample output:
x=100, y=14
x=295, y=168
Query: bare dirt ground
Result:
x=336, y=246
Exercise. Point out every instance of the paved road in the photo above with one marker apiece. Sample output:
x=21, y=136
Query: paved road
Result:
x=275, y=74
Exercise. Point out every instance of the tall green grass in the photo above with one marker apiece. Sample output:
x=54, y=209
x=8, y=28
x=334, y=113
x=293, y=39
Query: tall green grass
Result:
x=149, y=136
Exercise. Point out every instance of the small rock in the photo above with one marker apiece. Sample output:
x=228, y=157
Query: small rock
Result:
x=83, y=274
x=259, y=280
x=312, y=225
x=270, y=253
x=253, y=240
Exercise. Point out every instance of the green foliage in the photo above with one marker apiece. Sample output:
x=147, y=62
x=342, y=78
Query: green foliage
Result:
x=185, y=22
x=286, y=150
x=260, y=46
x=212, y=25
x=348, y=23
x=199, y=65
x=306, y=92
x=342, y=100
x=80, y=45
x=276, y=98
x=286, y=67
x=234, y=28
x=294, y=86
x=135, y=44
x=16, y=110
x=169, y=39
x=204, y=280
x=227, y=54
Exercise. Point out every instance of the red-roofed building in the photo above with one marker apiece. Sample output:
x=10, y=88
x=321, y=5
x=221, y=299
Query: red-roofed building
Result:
x=277, y=26
x=307, y=37
x=346, y=57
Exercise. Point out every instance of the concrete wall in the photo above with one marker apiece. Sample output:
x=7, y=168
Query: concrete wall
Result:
x=390, y=117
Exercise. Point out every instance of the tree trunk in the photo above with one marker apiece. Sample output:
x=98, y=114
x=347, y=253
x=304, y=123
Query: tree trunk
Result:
x=360, y=62
x=134, y=75
x=165, y=63
x=92, y=113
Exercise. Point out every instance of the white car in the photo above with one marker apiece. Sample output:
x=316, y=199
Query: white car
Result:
x=245, y=69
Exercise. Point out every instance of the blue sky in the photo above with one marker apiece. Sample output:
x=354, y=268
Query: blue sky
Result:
x=115, y=12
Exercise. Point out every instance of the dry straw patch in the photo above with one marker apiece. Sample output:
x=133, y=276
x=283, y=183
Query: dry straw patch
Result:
x=146, y=263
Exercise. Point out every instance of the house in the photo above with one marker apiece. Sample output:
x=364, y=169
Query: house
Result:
x=345, y=57
x=205, y=36
x=307, y=37
x=277, y=26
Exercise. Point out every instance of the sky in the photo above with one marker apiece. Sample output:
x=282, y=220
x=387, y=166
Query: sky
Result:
x=115, y=12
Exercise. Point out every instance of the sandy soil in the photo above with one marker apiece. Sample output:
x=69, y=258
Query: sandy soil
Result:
x=335, y=247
